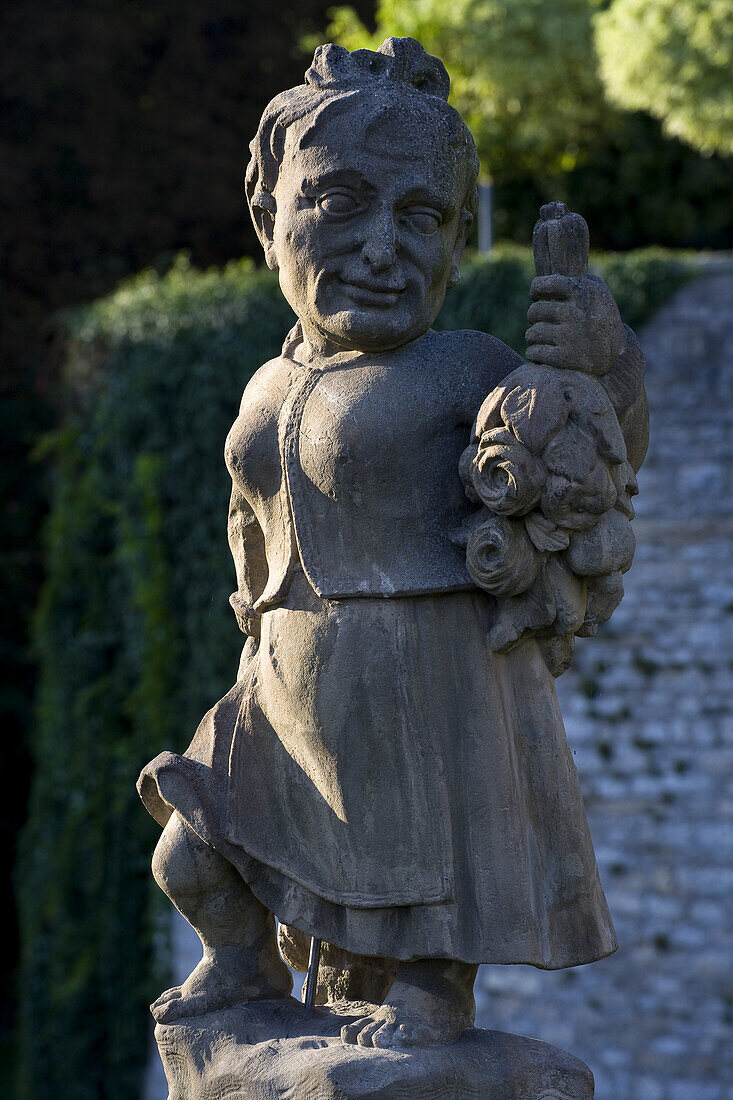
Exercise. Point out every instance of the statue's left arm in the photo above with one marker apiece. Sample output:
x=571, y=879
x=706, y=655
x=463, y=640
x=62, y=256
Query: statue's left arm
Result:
x=554, y=455
x=624, y=384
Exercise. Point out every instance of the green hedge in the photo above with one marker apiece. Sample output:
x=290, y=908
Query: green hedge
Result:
x=134, y=636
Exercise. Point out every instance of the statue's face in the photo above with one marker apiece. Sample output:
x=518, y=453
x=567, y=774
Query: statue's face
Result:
x=369, y=228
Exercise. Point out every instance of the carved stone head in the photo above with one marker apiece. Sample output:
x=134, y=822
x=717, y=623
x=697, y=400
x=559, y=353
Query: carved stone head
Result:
x=362, y=188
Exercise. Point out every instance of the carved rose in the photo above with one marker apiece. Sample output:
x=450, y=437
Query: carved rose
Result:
x=579, y=487
x=604, y=595
x=465, y=471
x=506, y=475
x=577, y=506
x=500, y=557
x=548, y=452
x=607, y=547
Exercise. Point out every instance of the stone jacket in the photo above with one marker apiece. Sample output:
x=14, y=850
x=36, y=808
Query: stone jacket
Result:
x=352, y=468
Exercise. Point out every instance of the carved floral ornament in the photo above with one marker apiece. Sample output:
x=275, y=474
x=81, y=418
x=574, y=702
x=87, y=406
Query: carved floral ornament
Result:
x=548, y=462
x=400, y=60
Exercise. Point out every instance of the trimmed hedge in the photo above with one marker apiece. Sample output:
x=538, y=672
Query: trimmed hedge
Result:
x=134, y=635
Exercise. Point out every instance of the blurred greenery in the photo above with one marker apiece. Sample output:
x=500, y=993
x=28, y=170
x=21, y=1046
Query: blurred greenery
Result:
x=523, y=72
x=673, y=58
x=134, y=635
x=525, y=75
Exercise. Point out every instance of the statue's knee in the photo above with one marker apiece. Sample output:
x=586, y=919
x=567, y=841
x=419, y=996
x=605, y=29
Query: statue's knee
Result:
x=174, y=859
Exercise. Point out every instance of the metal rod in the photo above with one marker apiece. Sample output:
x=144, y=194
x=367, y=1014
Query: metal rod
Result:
x=485, y=216
x=311, y=981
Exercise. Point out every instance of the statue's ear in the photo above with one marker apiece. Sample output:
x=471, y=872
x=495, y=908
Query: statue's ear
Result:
x=264, y=209
x=465, y=223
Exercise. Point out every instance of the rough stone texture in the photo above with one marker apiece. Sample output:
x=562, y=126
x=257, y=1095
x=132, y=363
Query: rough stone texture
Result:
x=271, y=1051
x=648, y=714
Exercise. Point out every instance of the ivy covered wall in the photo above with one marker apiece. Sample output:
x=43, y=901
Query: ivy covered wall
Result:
x=134, y=636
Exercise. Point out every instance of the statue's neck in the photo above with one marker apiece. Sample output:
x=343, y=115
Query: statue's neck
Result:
x=318, y=349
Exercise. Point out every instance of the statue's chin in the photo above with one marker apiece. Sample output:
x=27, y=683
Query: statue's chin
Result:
x=373, y=330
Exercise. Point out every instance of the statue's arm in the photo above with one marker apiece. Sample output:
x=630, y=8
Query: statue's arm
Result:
x=624, y=384
x=247, y=544
x=553, y=457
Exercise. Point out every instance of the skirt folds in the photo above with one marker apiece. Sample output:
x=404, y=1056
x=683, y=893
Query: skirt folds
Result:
x=384, y=781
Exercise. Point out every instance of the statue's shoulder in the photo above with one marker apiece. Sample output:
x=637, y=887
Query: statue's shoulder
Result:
x=271, y=377
x=476, y=359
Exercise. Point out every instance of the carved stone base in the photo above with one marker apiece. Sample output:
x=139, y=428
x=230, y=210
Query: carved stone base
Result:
x=278, y=1051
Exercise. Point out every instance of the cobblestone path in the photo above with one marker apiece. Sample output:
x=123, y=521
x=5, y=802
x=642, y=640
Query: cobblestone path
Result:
x=648, y=713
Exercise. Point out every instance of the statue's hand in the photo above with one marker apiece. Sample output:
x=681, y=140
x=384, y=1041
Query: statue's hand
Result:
x=574, y=324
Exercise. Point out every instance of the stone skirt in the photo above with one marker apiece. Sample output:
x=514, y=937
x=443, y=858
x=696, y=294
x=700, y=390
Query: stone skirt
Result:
x=383, y=781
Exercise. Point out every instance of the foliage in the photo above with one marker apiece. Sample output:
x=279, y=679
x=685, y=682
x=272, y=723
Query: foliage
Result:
x=134, y=634
x=525, y=77
x=523, y=72
x=680, y=197
x=492, y=294
x=674, y=59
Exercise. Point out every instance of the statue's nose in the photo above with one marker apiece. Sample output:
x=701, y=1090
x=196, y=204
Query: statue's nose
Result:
x=380, y=245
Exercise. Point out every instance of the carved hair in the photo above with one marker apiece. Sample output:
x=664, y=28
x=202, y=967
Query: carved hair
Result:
x=400, y=66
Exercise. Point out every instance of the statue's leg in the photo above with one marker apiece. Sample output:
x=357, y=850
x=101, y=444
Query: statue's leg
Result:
x=240, y=962
x=431, y=1001
x=342, y=975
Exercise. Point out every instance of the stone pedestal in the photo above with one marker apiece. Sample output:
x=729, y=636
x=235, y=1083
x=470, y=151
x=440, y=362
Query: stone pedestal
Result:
x=278, y=1051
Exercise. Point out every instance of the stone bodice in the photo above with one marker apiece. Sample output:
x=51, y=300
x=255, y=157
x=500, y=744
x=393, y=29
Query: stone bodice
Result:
x=354, y=469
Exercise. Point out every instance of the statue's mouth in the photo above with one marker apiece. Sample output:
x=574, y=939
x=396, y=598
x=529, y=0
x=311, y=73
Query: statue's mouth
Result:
x=368, y=293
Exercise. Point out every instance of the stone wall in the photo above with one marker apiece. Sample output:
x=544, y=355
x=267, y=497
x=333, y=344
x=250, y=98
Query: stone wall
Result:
x=649, y=716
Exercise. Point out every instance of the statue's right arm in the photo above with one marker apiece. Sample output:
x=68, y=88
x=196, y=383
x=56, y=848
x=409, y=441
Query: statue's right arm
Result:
x=247, y=544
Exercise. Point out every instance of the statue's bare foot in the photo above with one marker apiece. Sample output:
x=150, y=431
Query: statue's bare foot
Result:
x=222, y=979
x=431, y=1002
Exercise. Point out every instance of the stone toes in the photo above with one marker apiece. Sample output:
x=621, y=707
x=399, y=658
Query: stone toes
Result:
x=164, y=1013
x=382, y=1037
x=385, y=1034
x=400, y=1036
x=349, y=1032
x=412, y=1035
x=181, y=1007
x=168, y=995
x=364, y=1038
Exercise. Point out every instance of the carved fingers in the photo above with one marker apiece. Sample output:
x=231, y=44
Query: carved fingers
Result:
x=574, y=324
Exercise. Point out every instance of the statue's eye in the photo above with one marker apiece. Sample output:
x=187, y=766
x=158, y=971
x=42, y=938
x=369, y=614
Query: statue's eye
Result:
x=337, y=202
x=421, y=219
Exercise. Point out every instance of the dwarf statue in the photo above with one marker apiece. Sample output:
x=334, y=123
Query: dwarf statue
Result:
x=421, y=523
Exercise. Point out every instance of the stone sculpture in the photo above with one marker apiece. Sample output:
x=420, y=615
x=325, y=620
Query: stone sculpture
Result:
x=421, y=524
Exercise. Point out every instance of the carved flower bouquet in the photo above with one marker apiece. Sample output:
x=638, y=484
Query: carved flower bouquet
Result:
x=548, y=462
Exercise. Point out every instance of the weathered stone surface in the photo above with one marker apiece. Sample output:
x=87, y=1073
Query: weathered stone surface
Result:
x=278, y=1052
